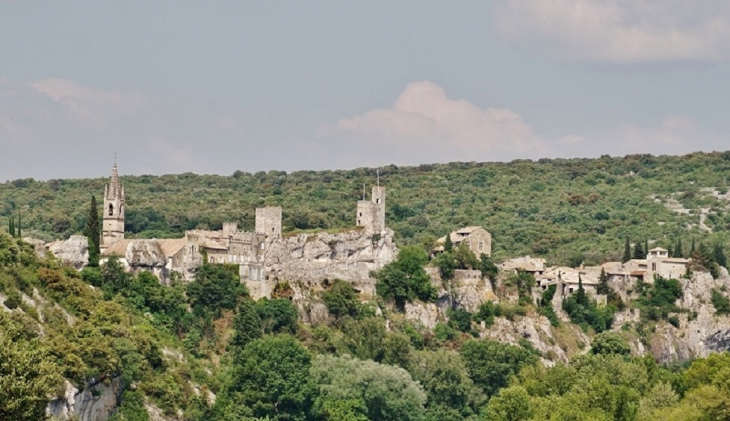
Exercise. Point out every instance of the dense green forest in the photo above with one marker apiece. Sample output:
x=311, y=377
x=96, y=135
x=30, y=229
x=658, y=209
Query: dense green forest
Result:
x=564, y=209
x=171, y=345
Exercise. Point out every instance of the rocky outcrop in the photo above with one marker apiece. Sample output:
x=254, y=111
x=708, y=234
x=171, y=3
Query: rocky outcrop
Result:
x=73, y=252
x=95, y=403
x=700, y=332
x=305, y=260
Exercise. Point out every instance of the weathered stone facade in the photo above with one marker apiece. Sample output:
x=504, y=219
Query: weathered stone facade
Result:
x=264, y=257
x=113, y=212
x=371, y=213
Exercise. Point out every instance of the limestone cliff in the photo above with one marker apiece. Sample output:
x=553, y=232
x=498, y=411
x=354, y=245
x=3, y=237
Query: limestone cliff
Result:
x=73, y=252
x=95, y=403
x=700, y=331
x=305, y=260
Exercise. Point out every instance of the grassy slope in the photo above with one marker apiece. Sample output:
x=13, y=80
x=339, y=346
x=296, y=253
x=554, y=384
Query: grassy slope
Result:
x=554, y=208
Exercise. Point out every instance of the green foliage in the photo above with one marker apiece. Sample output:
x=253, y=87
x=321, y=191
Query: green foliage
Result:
x=718, y=255
x=445, y=378
x=247, y=324
x=627, y=251
x=378, y=391
x=278, y=315
x=639, y=252
x=405, y=279
x=489, y=269
x=92, y=233
x=492, y=363
x=341, y=299
x=215, y=288
x=510, y=404
x=585, y=312
x=525, y=204
x=546, y=305
x=658, y=299
x=610, y=343
x=460, y=319
x=270, y=378
x=720, y=302
x=28, y=374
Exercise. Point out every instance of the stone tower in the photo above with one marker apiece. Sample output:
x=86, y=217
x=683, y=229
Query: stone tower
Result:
x=268, y=221
x=371, y=213
x=113, y=211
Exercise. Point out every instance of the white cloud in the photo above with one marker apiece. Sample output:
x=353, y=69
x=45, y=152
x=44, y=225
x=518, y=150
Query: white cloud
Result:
x=424, y=125
x=620, y=31
x=673, y=135
x=90, y=104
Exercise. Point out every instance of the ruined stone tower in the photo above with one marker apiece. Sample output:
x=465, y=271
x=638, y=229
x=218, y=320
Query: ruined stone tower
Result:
x=268, y=221
x=371, y=213
x=113, y=211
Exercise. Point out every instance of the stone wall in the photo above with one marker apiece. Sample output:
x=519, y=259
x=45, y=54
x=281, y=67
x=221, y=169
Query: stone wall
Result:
x=305, y=260
x=268, y=221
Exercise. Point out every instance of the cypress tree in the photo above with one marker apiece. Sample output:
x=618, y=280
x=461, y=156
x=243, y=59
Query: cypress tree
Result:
x=692, y=250
x=627, y=251
x=92, y=233
x=11, y=227
x=638, y=251
x=603, y=287
x=20, y=224
x=646, y=248
x=719, y=255
x=678, y=250
x=448, y=245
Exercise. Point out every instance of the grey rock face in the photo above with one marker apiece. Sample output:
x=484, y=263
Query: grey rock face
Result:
x=95, y=403
x=305, y=260
x=74, y=251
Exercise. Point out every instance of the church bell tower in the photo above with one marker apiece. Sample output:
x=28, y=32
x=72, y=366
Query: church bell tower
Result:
x=113, y=225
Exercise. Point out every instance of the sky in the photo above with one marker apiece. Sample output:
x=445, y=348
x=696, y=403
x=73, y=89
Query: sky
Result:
x=219, y=86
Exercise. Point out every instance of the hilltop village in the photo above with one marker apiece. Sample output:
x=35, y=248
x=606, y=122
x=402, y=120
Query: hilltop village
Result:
x=266, y=256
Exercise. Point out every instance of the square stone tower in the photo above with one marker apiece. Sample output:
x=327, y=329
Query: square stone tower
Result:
x=268, y=221
x=371, y=213
x=113, y=212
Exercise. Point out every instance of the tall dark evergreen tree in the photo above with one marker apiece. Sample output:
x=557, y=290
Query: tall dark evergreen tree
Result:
x=639, y=251
x=719, y=255
x=11, y=227
x=646, y=248
x=448, y=245
x=678, y=249
x=627, y=251
x=92, y=233
x=692, y=250
x=20, y=225
x=603, y=287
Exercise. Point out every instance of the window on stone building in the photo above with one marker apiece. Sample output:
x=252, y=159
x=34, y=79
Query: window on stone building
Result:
x=481, y=246
x=360, y=213
x=653, y=267
x=111, y=209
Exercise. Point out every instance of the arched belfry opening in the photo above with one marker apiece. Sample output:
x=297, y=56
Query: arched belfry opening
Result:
x=113, y=211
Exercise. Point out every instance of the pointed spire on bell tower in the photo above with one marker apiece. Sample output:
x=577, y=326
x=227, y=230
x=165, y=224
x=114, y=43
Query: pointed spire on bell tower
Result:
x=113, y=223
x=115, y=189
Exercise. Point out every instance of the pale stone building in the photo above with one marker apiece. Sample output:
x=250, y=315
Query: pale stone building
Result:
x=533, y=265
x=476, y=238
x=371, y=213
x=113, y=212
x=263, y=256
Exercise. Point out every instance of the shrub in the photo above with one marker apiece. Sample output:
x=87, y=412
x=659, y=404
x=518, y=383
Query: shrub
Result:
x=720, y=302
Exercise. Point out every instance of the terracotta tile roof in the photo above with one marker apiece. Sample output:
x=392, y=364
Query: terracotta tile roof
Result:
x=118, y=249
x=171, y=246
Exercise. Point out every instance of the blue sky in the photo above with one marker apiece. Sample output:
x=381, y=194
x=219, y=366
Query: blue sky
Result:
x=212, y=87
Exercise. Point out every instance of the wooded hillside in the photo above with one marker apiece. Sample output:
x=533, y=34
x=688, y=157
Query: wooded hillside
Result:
x=563, y=209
